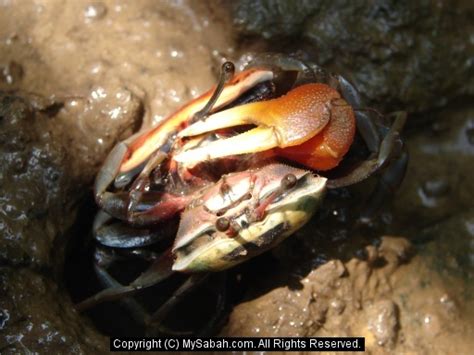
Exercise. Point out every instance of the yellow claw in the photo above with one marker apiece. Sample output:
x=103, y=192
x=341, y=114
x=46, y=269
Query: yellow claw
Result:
x=287, y=121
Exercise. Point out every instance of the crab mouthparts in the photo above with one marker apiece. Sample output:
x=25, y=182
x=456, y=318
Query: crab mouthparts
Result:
x=210, y=241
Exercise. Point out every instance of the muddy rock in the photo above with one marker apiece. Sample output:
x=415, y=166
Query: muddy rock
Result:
x=397, y=301
x=453, y=253
x=438, y=182
x=43, y=183
x=44, y=152
x=333, y=299
x=33, y=317
x=295, y=313
x=34, y=186
x=165, y=53
x=401, y=55
x=435, y=299
x=91, y=125
x=382, y=318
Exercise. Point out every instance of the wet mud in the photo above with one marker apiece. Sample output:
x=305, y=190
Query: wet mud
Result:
x=77, y=76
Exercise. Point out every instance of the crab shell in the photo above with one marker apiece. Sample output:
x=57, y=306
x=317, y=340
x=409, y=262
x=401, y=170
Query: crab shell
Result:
x=201, y=246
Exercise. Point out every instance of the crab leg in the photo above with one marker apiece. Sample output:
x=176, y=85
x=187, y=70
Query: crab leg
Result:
x=137, y=311
x=109, y=171
x=116, y=234
x=391, y=147
x=152, y=208
x=190, y=283
x=157, y=272
x=157, y=318
x=386, y=186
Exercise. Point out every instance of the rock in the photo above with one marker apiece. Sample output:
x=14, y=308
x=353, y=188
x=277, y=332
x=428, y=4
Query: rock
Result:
x=438, y=181
x=47, y=158
x=410, y=56
x=285, y=312
x=332, y=300
x=34, y=186
x=43, y=180
x=382, y=319
x=35, y=316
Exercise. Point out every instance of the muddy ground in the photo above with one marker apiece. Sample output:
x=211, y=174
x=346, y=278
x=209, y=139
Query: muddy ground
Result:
x=77, y=76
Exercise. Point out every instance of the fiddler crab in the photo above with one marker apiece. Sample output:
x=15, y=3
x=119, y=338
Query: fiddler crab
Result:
x=245, y=165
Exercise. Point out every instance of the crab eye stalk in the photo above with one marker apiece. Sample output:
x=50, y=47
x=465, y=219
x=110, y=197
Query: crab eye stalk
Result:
x=227, y=72
x=288, y=181
x=222, y=224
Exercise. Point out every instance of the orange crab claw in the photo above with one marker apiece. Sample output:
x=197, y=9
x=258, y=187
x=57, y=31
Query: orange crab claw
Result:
x=311, y=123
x=325, y=150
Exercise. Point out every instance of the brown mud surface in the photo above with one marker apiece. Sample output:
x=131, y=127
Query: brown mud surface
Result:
x=77, y=76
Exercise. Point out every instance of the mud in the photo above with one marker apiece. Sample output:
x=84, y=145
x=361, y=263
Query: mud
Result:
x=399, y=304
x=77, y=76
x=62, y=48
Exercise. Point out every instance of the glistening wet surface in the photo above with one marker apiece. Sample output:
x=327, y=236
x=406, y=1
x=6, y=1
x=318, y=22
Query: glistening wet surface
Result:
x=81, y=75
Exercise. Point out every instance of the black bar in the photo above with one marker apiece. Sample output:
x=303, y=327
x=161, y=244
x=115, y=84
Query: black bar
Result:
x=241, y=344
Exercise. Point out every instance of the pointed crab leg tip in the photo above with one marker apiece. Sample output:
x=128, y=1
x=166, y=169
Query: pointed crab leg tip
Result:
x=178, y=267
x=253, y=141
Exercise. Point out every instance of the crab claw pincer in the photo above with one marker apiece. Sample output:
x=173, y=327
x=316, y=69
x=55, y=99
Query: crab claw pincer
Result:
x=311, y=124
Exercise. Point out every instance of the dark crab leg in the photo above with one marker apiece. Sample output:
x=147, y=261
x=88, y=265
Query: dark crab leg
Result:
x=388, y=154
x=157, y=272
x=152, y=208
x=286, y=64
x=391, y=159
x=115, y=234
x=390, y=149
x=365, y=125
x=136, y=310
x=386, y=186
x=190, y=284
